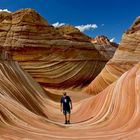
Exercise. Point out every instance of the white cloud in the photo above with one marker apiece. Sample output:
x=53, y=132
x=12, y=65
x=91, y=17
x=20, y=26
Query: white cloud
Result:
x=83, y=28
x=57, y=24
x=5, y=10
x=112, y=40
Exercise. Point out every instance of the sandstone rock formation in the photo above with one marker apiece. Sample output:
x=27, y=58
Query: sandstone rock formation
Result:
x=104, y=46
x=103, y=40
x=26, y=112
x=125, y=57
x=135, y=26
x=71, y=33
x=60, y=58
x=56, y=57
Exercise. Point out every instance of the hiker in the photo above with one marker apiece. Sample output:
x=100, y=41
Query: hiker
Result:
x=66, y=106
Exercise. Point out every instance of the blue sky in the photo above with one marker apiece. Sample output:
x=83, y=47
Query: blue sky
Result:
x=112, y=17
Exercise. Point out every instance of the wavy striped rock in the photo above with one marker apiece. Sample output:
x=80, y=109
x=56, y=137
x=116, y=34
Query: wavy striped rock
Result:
x=27, y=113
x=56, y=57
x=125, y=57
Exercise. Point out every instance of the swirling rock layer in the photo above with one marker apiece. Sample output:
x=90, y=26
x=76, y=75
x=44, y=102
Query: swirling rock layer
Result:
x=56, y=57
x=27, y=113
x=125, y=57
x=62, y=59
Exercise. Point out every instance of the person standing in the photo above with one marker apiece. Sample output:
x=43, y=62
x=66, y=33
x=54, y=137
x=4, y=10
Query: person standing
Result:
x=66, y=106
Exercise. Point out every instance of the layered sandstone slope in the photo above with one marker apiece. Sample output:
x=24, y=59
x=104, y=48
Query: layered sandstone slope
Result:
x=19, y=88
x=26, y=28
x=71, y=33
x=56, y=57
x=125, y=57
x=112, y=114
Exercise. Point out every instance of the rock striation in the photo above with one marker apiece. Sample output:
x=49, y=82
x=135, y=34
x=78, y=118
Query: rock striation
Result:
x=125, y=57
x=27, y=113
x=71, y=33
x=56, y=57
x=26, y=28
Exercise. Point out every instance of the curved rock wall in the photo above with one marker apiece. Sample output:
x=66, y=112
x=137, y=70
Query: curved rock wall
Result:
x=125, y=57
x=27, y=113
